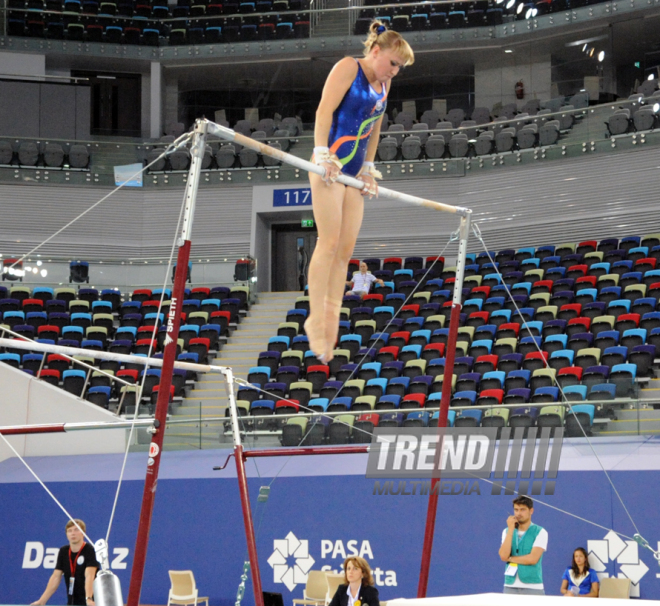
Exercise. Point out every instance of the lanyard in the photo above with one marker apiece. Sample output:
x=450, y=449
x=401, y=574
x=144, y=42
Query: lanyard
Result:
x=72, y=568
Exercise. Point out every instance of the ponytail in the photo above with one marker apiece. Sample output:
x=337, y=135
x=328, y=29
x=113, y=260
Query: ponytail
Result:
x=387, y=39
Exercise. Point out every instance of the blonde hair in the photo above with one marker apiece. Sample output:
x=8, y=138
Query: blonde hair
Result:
x=388, y=40
x=363, y=565
x=80, y=523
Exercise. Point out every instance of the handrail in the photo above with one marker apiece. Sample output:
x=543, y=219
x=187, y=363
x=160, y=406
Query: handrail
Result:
x=44, y=77
x=317, y=11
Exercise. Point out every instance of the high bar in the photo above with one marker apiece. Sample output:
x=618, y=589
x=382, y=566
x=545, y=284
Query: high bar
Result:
x=107, y=355
x=230, y=135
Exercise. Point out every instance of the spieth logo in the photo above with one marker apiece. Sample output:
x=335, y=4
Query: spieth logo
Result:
x=170, y=321
x=624, y=553
x=290, y=561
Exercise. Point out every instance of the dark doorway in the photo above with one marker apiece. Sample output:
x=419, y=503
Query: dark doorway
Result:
x=115, y=100
x=292, y=250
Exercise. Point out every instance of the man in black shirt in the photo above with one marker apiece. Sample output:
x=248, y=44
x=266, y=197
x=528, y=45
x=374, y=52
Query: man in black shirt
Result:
x=78, y=564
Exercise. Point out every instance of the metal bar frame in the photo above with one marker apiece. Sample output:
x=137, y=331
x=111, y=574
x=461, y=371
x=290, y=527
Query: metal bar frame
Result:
x=169, y=357
x=432, y=508
x=105, y=355
x=241, y=454
x=18, y=430
x=168, y=363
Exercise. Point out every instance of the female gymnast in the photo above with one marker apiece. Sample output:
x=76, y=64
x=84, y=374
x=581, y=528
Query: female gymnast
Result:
x=346, y=135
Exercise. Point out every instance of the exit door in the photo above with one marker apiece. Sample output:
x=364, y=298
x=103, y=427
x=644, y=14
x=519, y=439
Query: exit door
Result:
x=293, y=247
x=115, y=100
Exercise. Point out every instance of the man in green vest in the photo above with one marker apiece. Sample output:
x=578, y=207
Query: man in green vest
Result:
x=523, y=545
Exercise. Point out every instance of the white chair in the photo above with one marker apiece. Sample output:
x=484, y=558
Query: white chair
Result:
x=183, y=590
x=316, y=589
x=334, y=581
x=611, y=587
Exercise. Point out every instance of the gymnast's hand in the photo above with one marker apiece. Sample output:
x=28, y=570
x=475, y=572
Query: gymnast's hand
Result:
x=371, y=186
x=369, y=174
x=330, y=163
x=332, y=171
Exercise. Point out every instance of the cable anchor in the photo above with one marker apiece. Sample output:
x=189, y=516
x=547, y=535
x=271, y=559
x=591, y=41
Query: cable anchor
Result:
x=241, y=585
x=645, y=544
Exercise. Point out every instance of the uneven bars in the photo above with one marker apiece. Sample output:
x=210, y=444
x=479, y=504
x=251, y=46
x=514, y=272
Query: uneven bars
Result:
x=106, y=355
x=85, y=426
x=18, y=430
x=230, y=135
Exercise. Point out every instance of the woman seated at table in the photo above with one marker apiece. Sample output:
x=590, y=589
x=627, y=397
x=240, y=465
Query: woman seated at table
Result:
x=579, y=580
x=358, y=588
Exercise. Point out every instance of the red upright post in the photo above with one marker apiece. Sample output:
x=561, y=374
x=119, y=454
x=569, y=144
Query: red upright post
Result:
x=442, y=424
x=169, y=356
x=429, y=530
x=249, y=524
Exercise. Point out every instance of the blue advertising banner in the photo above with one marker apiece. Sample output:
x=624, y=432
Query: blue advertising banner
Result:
x=292, y=197
x=312, y=522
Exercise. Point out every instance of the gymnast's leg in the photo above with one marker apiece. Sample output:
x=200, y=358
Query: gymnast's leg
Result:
x=327, y=203
x=351, y=220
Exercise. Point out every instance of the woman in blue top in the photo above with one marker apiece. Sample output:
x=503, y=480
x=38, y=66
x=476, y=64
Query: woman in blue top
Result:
x=579, y=580
x=346, y=135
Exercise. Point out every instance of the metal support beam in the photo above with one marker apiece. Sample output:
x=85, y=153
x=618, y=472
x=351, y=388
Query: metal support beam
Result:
x=169, y=356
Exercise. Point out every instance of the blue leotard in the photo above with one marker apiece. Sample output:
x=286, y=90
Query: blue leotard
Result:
x=353, y=121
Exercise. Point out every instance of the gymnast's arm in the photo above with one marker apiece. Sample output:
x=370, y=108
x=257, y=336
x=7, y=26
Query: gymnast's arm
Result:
x=375, y=137
x=339, y=81
x=51, y=588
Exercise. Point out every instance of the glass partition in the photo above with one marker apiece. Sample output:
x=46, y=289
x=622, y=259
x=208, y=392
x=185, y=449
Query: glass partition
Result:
x=124, y=275
x=590, y=75
x=199, y=427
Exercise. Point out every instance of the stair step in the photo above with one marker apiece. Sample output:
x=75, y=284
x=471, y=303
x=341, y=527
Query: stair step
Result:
x=240, y=353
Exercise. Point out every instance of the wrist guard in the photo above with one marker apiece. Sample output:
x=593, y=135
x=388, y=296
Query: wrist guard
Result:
x=322, y=155
x=368, y=168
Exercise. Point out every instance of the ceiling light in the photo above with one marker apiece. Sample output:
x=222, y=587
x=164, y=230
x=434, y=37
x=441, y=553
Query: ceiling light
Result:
x=656, y=108
x=528, y=14
x=510, y=4
x=35, y=270
x=592, y=51
x=586, y=40
x=651, y=77
x=508, y=50
x=520, y=8
x=601, y=56
x=535, y=11
x=44, y=273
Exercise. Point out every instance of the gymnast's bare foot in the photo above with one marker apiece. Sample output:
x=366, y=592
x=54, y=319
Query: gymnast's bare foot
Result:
x=332, y=312
x=317, y=341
